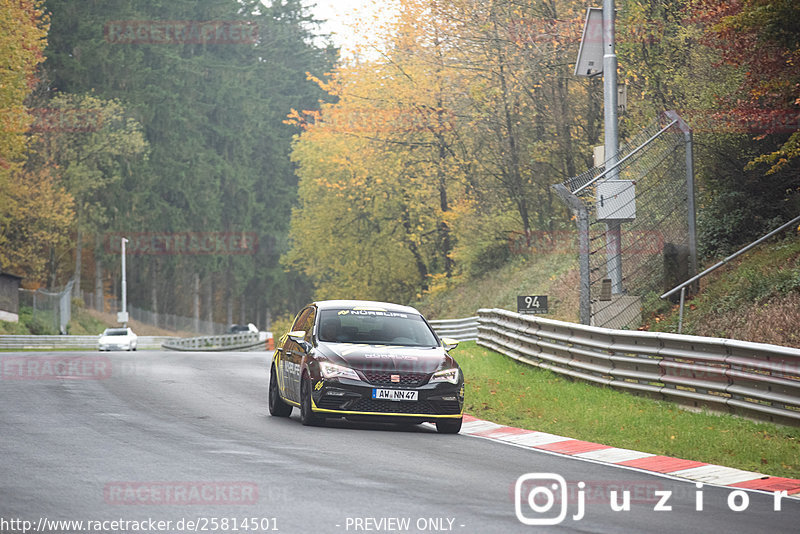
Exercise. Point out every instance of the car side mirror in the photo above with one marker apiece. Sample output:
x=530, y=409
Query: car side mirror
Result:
x=449, y=343
x=299, y=337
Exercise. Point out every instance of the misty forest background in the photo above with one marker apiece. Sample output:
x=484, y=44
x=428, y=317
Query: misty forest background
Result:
x=388, y=175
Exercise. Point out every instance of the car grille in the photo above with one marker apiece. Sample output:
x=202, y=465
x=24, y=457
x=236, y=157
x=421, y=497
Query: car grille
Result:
x=400, y=407
x=381, y=378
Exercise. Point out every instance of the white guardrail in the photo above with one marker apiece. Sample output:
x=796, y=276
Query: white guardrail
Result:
x=249, y=341
x=458, y=329
x=246, y=341
x=752, y=379
x=28, y=342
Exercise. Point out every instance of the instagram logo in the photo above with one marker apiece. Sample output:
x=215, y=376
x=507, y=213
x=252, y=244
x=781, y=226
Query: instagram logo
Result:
x=542, y=493
x=541, y=498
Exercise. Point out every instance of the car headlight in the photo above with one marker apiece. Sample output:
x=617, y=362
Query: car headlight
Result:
x=331, y=370
x=445, y=375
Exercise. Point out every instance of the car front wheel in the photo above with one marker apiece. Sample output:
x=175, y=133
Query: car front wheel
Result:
x=449, y=426
x=277, y=407
x=307, y=416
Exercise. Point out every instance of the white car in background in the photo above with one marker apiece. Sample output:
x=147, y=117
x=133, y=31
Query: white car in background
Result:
x=117, y=339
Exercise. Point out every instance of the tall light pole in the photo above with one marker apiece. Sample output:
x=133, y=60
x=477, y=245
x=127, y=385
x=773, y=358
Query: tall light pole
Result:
x=613, y=233
x=598, y=48
x=122, y=317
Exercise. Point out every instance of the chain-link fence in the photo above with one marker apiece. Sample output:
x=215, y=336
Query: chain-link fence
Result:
x=51, y=310
x=635, y=223
x=167, y=321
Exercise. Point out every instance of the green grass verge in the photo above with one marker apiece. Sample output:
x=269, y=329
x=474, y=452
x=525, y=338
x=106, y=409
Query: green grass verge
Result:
x=507, y=392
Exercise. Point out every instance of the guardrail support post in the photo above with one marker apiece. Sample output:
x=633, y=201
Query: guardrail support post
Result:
x=680, y=315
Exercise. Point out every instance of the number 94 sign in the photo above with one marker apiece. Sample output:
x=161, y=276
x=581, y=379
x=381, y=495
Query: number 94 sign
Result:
x=532, y=304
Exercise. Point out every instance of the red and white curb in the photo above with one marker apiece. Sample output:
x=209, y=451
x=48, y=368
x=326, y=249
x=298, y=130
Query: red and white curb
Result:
x=687, y=469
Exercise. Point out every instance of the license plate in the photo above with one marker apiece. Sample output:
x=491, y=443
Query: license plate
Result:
x=395, y=394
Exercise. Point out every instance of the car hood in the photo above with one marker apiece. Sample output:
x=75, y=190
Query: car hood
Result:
x=386, y=358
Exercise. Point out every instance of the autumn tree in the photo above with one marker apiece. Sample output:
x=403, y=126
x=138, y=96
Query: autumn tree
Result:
x=23, y=30
x=89, y=144
x=494, y=126
x=41, y=213
x=370, y=217
x=729, y=68
x=764, y=37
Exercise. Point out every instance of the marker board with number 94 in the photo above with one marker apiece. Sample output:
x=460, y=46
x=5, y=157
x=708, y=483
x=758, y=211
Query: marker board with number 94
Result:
x=532, y=304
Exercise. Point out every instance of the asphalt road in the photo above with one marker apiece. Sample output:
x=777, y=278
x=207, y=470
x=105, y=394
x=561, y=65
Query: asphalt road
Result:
x=186, y=438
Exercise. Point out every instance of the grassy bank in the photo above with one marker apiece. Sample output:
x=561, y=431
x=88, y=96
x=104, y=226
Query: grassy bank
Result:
x=507, y=392
x=756, y=297
x=84, y=322
x=554, y=275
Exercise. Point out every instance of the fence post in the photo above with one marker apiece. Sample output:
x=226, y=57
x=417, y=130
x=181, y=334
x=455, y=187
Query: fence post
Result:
x=581, y=213
x=583, y=263
x=690, y=195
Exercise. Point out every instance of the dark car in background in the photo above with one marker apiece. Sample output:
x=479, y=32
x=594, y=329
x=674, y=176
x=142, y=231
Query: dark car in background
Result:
x=248, y=328
x=366, y=360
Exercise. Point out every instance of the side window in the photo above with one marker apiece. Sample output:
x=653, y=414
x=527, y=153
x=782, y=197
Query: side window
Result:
x=305, y=321
x=300, y=320
x=309, y=324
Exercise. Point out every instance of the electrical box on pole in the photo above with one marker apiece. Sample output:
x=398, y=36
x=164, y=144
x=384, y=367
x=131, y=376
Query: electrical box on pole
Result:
x=616, y=200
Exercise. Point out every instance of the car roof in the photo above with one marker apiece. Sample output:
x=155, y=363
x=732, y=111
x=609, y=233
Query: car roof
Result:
x=363, y=304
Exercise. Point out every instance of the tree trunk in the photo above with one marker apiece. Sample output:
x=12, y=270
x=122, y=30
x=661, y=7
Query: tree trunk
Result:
x=98, y=278
x=196, y=299
x=209, y=283
x=154, y=291
x=76, y=289
x=516, y=187
x=229, y=305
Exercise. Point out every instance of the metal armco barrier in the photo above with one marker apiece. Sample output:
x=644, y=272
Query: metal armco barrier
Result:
x=458, y=329
x=752, y=379
x=247, y=341
x=29, y=342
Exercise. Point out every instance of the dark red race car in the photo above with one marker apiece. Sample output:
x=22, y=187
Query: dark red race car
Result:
x=366, y=360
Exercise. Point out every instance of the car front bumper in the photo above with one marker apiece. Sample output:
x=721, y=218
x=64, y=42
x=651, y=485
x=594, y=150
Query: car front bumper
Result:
x=115, y=347
x=351, y=398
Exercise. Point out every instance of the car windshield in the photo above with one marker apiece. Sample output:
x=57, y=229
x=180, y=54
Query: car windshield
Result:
x=375, y=327
x=115, y=332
